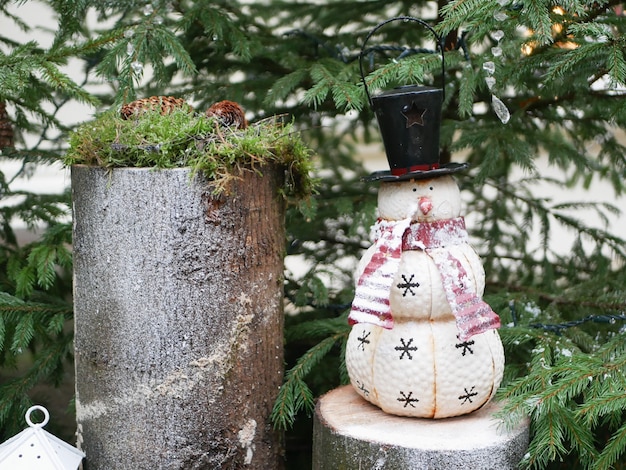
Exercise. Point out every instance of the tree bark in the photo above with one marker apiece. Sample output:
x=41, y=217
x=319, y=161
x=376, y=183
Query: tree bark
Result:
x=351, y=433
x=178, y=319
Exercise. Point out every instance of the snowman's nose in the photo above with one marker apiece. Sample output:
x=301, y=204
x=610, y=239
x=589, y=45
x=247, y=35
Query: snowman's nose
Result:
x=425, y=205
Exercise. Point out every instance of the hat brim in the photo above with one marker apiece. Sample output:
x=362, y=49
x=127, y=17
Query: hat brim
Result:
x=386, y=176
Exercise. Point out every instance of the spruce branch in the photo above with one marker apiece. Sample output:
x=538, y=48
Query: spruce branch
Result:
x=563, y=300
x=551, y=395
x=614, y=449
x=14, y=397
x=562, y=102
x=295, y=395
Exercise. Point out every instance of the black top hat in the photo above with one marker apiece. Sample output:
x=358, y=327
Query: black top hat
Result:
x=409, y=118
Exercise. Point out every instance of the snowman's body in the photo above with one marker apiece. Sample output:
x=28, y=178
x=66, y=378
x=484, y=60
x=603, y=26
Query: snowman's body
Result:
x=419, y=367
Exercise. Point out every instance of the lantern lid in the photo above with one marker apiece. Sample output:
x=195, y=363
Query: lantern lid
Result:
x=409, y=118
x=36, y=449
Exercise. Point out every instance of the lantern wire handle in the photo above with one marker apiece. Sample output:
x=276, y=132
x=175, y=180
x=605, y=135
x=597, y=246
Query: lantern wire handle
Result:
x=440, y=45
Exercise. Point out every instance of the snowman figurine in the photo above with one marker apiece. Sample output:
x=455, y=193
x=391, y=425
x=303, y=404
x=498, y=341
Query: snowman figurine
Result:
x=423, y=342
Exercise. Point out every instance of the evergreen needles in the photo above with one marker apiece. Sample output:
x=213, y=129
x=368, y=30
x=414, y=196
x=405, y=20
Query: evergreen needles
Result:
x=560, y=72
x=295, y=395
x=575, y=400
x=34, y=320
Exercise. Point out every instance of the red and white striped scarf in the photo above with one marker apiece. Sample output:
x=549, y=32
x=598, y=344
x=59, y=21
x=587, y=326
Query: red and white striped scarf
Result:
x=371, y=301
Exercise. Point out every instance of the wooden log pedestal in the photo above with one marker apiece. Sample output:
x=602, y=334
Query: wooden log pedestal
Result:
x=350, y=433
x=178, y=318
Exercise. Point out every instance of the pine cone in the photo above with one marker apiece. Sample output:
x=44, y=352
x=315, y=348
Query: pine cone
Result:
x=229, y=114
x=6, y=130
x=166, y=104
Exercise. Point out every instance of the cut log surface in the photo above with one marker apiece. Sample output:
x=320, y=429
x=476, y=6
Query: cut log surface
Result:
x=351, y=433
x=178, y=319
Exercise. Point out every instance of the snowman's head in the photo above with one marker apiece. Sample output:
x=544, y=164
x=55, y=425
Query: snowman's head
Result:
x=424, y=200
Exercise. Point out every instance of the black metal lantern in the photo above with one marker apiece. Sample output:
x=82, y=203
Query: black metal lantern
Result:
x=409, y=118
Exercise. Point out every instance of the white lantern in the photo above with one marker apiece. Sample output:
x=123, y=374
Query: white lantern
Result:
x=36, y=449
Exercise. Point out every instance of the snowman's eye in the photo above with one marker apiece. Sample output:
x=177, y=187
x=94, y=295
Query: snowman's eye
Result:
x=414, y=190
x=431, y=188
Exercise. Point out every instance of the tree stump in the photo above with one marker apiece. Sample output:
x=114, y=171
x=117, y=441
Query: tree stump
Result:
x=178, y=318
x=351, y=433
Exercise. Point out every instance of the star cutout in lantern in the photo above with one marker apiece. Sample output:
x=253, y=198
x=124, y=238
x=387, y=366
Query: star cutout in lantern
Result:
x=414, y=115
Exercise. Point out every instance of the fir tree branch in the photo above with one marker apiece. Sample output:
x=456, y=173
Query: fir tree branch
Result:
x=295, y=395
x=564, y=301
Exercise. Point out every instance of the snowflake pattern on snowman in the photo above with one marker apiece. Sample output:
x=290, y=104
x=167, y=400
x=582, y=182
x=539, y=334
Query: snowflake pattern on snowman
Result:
x=423, y=342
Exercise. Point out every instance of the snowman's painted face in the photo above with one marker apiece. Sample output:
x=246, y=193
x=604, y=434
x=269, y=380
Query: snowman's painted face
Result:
x=422, y=200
